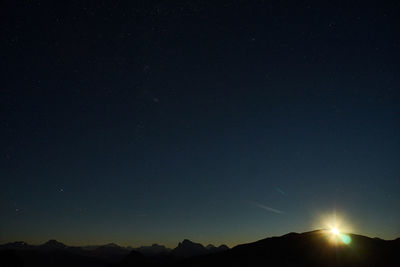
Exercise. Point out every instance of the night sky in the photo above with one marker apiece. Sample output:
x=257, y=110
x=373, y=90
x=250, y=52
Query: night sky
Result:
x=145, y=122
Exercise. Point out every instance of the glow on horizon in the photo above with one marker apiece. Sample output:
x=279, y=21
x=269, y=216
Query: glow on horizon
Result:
x=346, y=239
x=336, y=228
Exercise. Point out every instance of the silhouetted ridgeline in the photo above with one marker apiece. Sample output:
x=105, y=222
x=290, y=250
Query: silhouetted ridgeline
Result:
x=306, y=249
x=54, y=253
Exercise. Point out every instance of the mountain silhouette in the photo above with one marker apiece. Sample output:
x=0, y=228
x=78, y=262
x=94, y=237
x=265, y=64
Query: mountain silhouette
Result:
x=187, y=248
x=52, y=245
x=293, y=249
x=306, y=249
x=54, y=253
x=213, y=249
x=16, y=245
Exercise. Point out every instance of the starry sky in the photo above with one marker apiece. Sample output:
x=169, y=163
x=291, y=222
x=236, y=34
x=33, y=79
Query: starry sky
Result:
x=140, y=122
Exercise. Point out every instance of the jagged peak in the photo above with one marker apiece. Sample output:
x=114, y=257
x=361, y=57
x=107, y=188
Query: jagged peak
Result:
x=52, y=243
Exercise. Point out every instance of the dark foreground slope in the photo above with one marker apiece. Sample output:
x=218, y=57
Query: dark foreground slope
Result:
x=307, y=249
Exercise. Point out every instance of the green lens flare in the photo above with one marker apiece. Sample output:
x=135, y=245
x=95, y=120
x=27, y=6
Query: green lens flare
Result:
x=345, y=238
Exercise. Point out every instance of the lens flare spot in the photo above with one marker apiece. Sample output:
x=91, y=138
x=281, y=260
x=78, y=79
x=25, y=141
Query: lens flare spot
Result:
x=345, y=239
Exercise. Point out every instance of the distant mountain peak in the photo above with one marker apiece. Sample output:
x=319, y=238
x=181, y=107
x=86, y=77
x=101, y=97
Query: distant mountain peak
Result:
x=52, y=241
x=210, y=246
x=223, y=247
x=53, y=244
x=187, y=241
x=19, y=243
x=111, y=245
x=213, y=249
x=16, y=245
x=187, y=248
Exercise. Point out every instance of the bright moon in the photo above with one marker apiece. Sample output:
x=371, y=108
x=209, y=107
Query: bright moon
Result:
x=335, y=231
x=339, y=236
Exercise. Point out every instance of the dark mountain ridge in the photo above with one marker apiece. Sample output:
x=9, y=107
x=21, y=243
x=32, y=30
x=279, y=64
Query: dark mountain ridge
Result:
x=307, y=249
x=314, y=248
x=187, y=248
x=293, y=249
x=54, y=253
x=153, y=250
x=52, y=244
